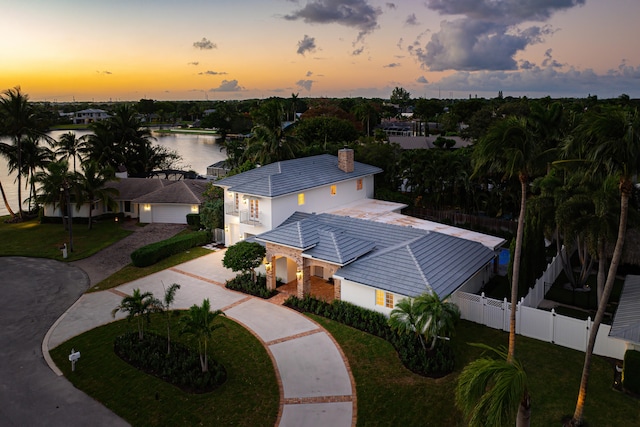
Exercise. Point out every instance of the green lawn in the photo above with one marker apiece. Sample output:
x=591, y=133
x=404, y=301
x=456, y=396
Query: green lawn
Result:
x=389, y=394
x=30, y=238
x=249, y=397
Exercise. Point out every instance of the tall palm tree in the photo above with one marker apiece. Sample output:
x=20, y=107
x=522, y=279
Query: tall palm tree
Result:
x=511, y=149
x=198, y=322
x=137, y=306
x=615, y=147
x=489, y=389
x=92, y=187
x=19, y=121
x=69, y=146
x=52, y=182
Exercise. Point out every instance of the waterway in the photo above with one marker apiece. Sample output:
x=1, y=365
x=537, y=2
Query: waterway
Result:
x=197, y=151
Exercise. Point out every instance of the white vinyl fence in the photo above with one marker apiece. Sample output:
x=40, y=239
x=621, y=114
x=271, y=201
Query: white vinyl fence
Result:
x=539, y=324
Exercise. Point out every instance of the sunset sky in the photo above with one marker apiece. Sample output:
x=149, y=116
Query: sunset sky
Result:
x=65, y=50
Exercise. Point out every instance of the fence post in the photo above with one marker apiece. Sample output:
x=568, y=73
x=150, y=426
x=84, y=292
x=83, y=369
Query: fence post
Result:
x=552, y=332
x=483, y=308
x=505, y=316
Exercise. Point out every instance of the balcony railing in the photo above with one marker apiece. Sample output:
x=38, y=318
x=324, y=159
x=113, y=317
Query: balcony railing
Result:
x=247, y=218
x=230, y=209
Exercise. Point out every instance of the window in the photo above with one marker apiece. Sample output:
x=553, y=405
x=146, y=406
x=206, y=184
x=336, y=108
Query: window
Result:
x=253, y=207
x=359, y=184
x=301, y=199
x=236, y=201
x=333, y=190
x=384, y=298
x=127, y=206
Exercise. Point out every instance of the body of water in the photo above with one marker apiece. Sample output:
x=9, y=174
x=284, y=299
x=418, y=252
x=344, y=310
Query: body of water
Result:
x=197, y=151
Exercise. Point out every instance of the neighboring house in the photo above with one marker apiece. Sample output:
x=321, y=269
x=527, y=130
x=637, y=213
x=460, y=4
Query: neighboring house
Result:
x=90, y=115
x=149, y=200
x=318, y=221
x=261, y=199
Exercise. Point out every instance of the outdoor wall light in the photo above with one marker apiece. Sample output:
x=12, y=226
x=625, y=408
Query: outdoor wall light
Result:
x=299, y=274
x=268, y=266
x=226, y=228
x=194, y=208
x=147, y=207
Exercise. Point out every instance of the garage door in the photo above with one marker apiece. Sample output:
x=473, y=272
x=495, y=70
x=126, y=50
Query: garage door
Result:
x=170, y=214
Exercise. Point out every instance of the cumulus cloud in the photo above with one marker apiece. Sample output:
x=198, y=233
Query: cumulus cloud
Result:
x=487, y=36
x=213, y=73
x=357, y=51
x=422, y=80
x=549, y=61
x=228, y=86
x=392, y=65
x=205, y=44
x=309, y=73
x=194, y=63
x=305, y=84
x=391, y=5
x=411, y=20
x=307, y=44
x=357, y=14
x=466, y=44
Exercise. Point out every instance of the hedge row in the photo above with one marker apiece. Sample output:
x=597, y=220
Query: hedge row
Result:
x=180, y=368
x=81, y=219
x=193, y=221
x=436, y=363
x=150, y=254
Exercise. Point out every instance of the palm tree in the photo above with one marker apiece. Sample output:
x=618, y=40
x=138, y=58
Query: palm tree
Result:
x=137, y=306
x=405, y=318
x=52, y=182
x=489, y=390
x=198, y=322
x=19, y=121
x=165, y=306
x=438, y=317
x=615, y=147
x=92, y=187
x=511, y=148
x=35, y=157
x=70, y=146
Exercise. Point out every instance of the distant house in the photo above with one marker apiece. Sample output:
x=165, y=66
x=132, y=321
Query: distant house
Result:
x=149, y=200
x=218, y=170
x=84, y=117
x=319, y=223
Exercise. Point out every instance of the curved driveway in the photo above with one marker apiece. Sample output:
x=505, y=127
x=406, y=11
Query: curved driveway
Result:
x=316, y=385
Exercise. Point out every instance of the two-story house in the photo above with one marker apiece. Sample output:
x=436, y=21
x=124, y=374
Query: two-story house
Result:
x=261, y=199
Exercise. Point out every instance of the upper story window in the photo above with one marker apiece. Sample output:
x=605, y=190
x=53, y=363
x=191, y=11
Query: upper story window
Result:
x=333, y=190
x=236, y=201
x=300, y=199
x=359, y=184
x=253, y=206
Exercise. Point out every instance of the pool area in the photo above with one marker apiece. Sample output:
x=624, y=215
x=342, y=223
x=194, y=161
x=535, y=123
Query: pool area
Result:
x=504, y=257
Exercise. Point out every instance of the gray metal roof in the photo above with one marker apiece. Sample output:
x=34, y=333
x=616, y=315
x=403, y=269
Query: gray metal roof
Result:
x=184, y=191
x=404, y=260
x=292, y=176
x=626, y=323
x=433, y=262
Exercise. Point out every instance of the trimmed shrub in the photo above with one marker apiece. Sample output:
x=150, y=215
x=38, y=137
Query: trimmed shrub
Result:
x=243, y=283
x=150, y=254
x=193, y=221
x=180, y=368
x=631, y=371
x=436, y=363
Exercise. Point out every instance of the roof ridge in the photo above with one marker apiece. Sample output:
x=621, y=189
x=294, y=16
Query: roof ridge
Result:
x=189, y=189
x=332, y=236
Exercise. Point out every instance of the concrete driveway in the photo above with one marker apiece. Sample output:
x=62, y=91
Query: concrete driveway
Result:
x=36, y=292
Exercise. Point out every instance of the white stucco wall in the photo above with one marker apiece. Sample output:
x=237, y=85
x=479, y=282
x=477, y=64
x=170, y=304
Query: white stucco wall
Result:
x=364, y=296
x=475, y=283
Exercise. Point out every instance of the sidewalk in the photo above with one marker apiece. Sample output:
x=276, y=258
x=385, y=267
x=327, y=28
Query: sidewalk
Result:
x=316, y=385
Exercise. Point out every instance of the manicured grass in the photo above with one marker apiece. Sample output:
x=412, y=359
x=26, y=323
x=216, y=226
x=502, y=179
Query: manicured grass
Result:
x=131, y=272
x=388, y=394
x=250, y=397
x=32, y=239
